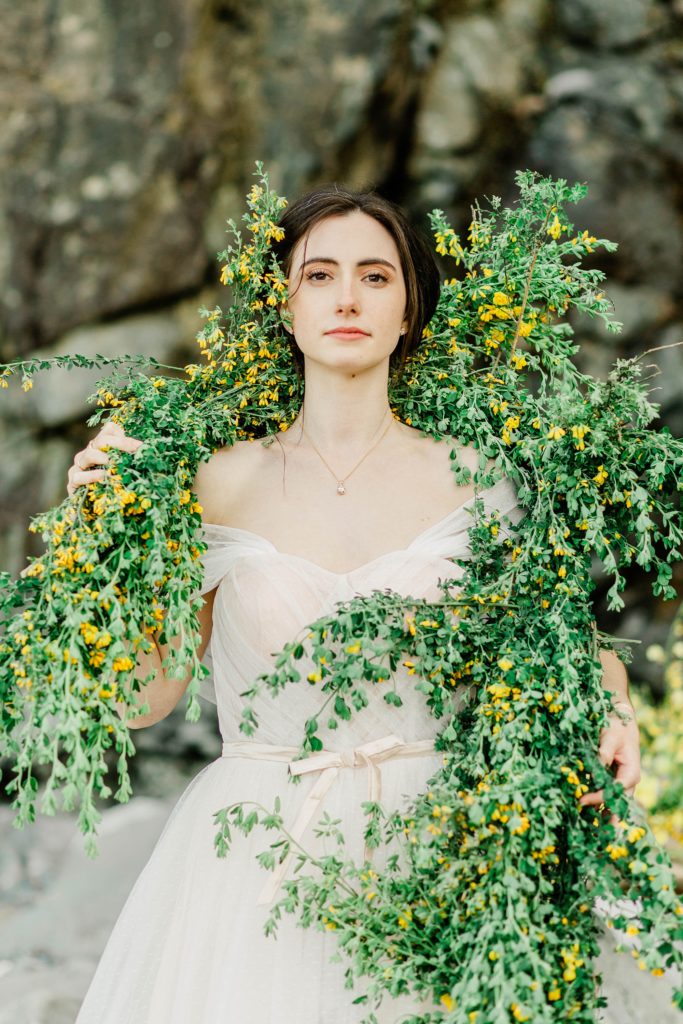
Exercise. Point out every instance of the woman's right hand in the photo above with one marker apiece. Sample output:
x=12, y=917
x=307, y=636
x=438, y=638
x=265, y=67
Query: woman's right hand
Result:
x=112, y=435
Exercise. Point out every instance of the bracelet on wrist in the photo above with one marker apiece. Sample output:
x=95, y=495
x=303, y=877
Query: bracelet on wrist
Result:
x=624, y=704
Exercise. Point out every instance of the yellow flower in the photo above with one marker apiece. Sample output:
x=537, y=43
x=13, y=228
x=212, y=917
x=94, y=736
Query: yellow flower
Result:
x=122, y=664
x=89, y=633
x=555, y=433
x=447, y=1001
x=554, y=995
x=505, y=664
x=500, y=299
x=554, y=229
x=27, y=385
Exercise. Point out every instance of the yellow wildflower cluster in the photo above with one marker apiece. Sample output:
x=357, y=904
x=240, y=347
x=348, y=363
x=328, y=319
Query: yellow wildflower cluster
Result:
x=546, y=855
x=578, y=433
x=106, y=398
x=499, y=308
x=571, y=960
x=123, y=664
x=262, y=225
x=448, y=244
x=572, y=777
x=511, y=424
x=518, y=1012
x=585, y=239
x=555, y=228
x=466, y=670
x=405, y=918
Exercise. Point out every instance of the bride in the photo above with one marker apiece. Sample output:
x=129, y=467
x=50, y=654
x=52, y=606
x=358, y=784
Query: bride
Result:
x=349, y=499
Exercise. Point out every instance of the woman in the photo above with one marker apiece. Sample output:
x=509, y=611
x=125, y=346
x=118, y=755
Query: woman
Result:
x=350, y=500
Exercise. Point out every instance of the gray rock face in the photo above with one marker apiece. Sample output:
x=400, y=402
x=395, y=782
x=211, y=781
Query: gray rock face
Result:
x=101, y=194
x=60, y=397
x=610, y=24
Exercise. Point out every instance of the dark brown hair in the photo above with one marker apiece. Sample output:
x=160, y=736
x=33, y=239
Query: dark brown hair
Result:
x=420, y=272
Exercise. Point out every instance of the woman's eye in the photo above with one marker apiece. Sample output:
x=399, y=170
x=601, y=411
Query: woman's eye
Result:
x=374, y=276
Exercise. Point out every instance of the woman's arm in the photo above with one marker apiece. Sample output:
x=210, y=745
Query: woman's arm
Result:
x=619, y=740
x=160, y=693
x=615, y=678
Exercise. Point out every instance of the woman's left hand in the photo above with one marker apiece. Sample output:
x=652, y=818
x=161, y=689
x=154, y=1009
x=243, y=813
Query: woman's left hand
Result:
x=620, y=746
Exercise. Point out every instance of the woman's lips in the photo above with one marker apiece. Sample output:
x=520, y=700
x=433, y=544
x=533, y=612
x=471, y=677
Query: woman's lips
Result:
x=347, y=333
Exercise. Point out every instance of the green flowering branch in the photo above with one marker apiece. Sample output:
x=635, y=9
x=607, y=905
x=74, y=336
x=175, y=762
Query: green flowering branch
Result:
x=485, y=902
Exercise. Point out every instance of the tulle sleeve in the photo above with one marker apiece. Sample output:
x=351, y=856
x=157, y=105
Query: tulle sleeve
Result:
x=222, y=551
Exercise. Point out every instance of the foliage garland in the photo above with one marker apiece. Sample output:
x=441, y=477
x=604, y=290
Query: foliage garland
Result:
x=498, y=848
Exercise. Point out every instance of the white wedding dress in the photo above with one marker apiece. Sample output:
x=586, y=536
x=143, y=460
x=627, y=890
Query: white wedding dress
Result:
x=189, y=947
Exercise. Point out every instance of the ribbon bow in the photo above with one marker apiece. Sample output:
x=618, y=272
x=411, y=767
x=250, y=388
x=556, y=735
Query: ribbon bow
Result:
x=328, y=763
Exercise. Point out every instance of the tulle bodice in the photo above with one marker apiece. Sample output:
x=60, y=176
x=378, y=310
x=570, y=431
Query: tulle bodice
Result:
x=265, y=597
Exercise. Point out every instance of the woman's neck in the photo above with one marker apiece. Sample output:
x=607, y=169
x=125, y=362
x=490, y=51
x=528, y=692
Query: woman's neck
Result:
x=342, y=413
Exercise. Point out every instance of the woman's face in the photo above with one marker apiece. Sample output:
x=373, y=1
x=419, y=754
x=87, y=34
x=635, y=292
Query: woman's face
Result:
x=351, y=278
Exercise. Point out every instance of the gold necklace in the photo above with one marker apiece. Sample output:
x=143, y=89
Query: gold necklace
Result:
x=341, y=489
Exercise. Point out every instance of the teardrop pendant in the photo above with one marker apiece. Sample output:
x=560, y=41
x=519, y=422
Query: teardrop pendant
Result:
x=340, y=488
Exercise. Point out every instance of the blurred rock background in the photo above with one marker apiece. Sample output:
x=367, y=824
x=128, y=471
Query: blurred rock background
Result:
x=129, y=135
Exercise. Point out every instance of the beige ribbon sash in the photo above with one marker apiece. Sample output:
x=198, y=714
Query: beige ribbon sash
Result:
x=328, y=763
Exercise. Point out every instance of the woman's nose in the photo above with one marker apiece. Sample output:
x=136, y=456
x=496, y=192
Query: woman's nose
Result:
x=347, y=300
x=347, y=297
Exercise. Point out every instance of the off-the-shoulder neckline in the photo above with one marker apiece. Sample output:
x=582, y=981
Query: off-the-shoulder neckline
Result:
x=349, y=572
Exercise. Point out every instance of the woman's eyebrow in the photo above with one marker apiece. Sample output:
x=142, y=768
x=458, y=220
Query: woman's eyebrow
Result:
x=361, y=263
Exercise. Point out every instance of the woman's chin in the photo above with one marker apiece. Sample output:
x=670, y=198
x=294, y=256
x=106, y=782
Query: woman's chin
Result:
x=346, y=361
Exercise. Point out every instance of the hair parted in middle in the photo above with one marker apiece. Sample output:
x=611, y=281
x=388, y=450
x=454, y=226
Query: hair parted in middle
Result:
x=420, y=271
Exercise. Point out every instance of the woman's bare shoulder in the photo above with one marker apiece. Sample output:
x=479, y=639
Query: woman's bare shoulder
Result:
x=440, y=449
x=221, y=479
